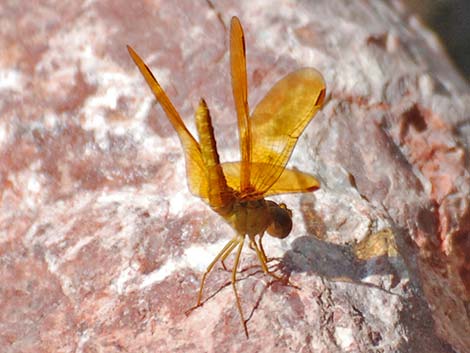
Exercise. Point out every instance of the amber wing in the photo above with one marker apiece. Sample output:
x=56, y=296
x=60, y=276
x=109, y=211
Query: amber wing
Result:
x=195, y=169
x=240, y=98
x=276, y=124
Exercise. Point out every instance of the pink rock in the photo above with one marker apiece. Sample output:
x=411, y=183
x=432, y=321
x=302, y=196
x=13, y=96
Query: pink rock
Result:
x=102, y=246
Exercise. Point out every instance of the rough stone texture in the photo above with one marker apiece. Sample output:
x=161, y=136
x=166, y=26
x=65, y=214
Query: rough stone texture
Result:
x=102, y=246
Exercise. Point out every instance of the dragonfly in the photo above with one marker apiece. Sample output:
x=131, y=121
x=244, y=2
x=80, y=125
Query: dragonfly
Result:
x=267, y=137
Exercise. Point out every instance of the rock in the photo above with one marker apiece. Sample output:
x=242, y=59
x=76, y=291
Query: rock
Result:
x=102, y=246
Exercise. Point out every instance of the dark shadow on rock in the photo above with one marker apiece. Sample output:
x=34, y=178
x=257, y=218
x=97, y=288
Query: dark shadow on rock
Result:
x=333, y=261
x=338, y=263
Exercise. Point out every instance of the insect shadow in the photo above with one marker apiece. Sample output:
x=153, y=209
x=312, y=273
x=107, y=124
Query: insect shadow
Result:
x=332, y=261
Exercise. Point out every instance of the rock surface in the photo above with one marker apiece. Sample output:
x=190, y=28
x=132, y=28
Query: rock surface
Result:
x=102, y=246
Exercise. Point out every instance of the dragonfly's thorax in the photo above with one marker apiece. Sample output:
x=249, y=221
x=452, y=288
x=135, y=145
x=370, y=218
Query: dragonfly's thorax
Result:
x=250, y=217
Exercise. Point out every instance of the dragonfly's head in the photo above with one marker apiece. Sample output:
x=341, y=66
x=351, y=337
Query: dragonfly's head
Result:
x=281, y=220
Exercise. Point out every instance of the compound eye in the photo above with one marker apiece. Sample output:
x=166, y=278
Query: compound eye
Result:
x=281, y=220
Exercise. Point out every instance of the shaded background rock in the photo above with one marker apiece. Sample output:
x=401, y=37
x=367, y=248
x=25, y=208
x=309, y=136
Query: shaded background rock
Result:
x=102, y=246
x=451, y=21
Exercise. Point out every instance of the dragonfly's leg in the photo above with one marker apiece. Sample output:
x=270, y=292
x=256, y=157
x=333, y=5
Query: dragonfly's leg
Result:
x=262, y=249
x=263, y=260
x=227, y=252
x=261, y=256
x=241, y=240
x=229, y=246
